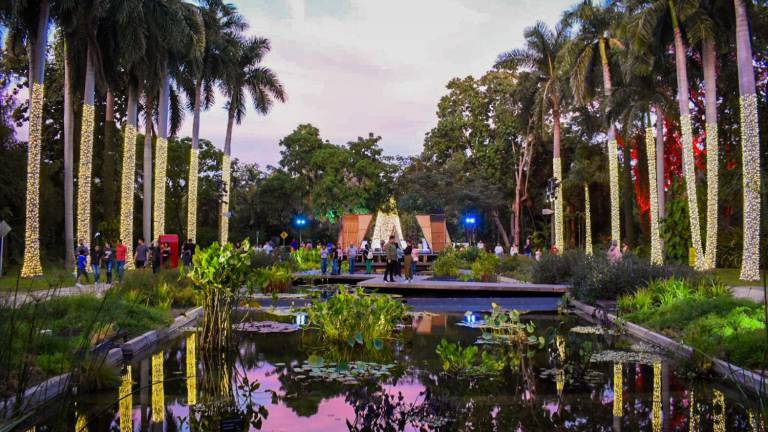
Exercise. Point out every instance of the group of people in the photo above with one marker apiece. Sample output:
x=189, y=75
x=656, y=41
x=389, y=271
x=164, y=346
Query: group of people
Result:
x=335, y=255
x=400, y=262
x=156, y=256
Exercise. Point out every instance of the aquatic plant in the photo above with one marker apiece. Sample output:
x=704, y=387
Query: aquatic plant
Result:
x=485, y=267
x=356, y=318
x=468, y=361
x=307, y=259
x=273, y=279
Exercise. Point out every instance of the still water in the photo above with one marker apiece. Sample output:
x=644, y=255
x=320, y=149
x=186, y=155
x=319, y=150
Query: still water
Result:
x=580, y=381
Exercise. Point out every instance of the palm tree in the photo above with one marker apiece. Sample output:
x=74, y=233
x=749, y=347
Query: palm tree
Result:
x=29, y=20
x=750, y=146
x=244, y=74
x=222, y=25
x=653, y=19
x=540, y=55
x=594, y=35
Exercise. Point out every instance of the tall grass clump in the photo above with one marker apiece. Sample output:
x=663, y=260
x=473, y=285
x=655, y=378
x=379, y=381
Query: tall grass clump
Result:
x=485, y=268
x=447, y=265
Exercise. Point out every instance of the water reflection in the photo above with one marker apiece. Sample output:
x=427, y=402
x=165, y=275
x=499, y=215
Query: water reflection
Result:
x=125, y=398
x=158, y=388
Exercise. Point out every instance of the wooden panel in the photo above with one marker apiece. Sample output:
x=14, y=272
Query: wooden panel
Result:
x=353, y=229
x=439, y=233
x=426, y=228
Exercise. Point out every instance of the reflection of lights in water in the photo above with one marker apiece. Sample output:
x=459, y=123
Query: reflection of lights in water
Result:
x=301, y=319
x=191, y=369
x=80, y=424
x=469, y=317
x=756, y=422
x=718, y=411
x=560, y=343
x=656, y=410
x=158, y=396
x=694, y=420
x=618, y=389
x=560, y=381
x=126, y=401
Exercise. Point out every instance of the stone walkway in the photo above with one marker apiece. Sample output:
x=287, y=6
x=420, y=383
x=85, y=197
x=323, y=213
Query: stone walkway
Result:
x=754, y=293
x=8, y=299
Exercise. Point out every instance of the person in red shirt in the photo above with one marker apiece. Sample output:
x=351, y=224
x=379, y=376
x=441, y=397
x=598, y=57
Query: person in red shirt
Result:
x=120, y=251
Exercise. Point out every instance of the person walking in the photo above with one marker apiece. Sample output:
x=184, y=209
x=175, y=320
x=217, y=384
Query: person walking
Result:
x=527, y=249
x=414, y=260
x=156, y=257
x=120, y=251
x=96, y=256
x=82, y=261
x=324, y=259
x=140, y=257
x=368, y=258
x=498, y=250
x=391, y=253
x=408, y=261
x=352, y=256
x=109, y=260
x=334, y=260
x=165, y=255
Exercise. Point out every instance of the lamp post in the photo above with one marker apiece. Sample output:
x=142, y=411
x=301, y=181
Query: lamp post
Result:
x=300, y=222
x=469, y=225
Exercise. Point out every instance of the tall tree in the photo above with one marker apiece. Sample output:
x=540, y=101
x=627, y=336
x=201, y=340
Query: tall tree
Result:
x=750, y=146
x=540, y=55
x=245, y=75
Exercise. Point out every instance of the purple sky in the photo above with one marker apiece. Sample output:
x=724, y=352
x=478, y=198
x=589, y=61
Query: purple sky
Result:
x=356, y=66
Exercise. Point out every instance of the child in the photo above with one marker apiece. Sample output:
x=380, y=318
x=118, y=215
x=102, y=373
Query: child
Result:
x=82, y=261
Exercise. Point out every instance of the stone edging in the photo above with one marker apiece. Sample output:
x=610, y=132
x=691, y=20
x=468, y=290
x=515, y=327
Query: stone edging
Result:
x=751, y=380
x=53, y=387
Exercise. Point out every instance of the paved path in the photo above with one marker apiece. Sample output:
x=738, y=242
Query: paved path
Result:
x=754, y=293
x=425, y=283
x=8, y=299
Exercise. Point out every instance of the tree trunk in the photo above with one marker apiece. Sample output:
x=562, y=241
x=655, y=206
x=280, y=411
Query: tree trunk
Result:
x=709, y=61
x=193, y=165
x=225, y=176
x=557, y=169
x=161, y=158
x=660, y=186
x=85, y=163
x=587, y=221
x=31, y=266
x=500, y=228
x=689, y=171
x=750, y=147
x=108, y=168
x=613, y=151
x=629, y=226
x=69, y=155
x=657, y=257
x=147, y=203
x=128, y=178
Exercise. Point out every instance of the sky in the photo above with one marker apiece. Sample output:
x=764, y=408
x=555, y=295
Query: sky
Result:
x=351, y=67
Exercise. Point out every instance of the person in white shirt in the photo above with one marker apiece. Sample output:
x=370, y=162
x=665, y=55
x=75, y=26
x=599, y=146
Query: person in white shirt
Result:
x=352, y=255
x=513, y=250
x=498, y=250
x=481, y=245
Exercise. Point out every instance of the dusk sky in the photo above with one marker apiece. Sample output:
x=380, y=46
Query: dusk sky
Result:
x=356, y=66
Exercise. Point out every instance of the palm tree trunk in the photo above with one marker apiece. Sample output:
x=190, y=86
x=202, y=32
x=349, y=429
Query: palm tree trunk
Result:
x=108, y=168
x=31, y=266
x=587, y=221
x=653, y=195
x=613, y=149
x=750, y=146
x=660, y=162
x=709, y=61
x=193, y=165
x=629, y=226
x=85, y=163
x=557, y=170
x=69, y=156
x=128, y=178
x=161, y=158
x=689, y=171
x=147, y=203
x=225, y=179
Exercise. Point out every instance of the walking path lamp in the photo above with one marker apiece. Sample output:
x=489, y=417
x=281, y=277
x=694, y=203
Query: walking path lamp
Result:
x=469, y=227
x=300, y=223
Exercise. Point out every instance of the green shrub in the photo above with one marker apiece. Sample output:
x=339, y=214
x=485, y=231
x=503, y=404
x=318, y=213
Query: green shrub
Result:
x=356, y=318
x=518, y=267
x=307, y=259
x=551, y=269
x=468, y=361
x=262, y=259
x=447, y=265
x=165, y=289
x=273, y=279
x=485, y=267
x=669, y=291
x=468, y=255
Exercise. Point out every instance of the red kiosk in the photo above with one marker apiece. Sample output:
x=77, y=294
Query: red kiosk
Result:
x=173, y=242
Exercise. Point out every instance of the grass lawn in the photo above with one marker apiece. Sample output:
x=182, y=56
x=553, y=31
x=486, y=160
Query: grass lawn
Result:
x=730, y=277
x=54, y=277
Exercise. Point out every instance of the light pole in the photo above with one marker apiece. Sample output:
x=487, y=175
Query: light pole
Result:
x=469, y=225
x=300, y=222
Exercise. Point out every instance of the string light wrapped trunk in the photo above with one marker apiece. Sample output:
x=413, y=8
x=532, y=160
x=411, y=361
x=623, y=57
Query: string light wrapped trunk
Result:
x=650, y=146
x=557, y=169
x=587, y=221
x=226, y=168
x=127, y=186
x=31, y=266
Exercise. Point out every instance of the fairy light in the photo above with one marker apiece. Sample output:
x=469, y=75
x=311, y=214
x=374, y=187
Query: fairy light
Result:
x=613, y=175
x=650, y=146
x=225, y=174
x=755, y=422
x=618, y=389
x=85, y=168
x=560, y=381
x=587, y=221
x=560, y=343
x=718, y=411
x=750, y=161
x=710, y=250
x=191, y=369
x=656, y=409
x=161, y=164
x=694, y=417
x=689, y=173
x=126, y=191
x=31, y=266
x=81, y=425
x=557, y=169
x=192, y=194
x=126, y=401
x=158, y=392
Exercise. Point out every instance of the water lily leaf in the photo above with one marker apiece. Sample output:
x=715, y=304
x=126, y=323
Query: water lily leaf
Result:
x=351, y=341
x=359, y=338
x=378, y=344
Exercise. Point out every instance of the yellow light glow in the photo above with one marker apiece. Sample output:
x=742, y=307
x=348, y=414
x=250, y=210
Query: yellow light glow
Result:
x=560, y=343
x=158, y=389
x=689, y=173
x=613, y=178
x=713, y=165
x=85, y=168
x=191, y=369
x=656, y=409
x=650, y=146
x=557, y=169
x=224, y=220
x=126, y=401
x=161, y=164
x=560, y=381
x=31, y=266
x=694, y=416
x=192, y=194
x=81, y=425
x=750, y=164
x=718, y=411
x=127, y=190
x=618, y=389
x=587, y=221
